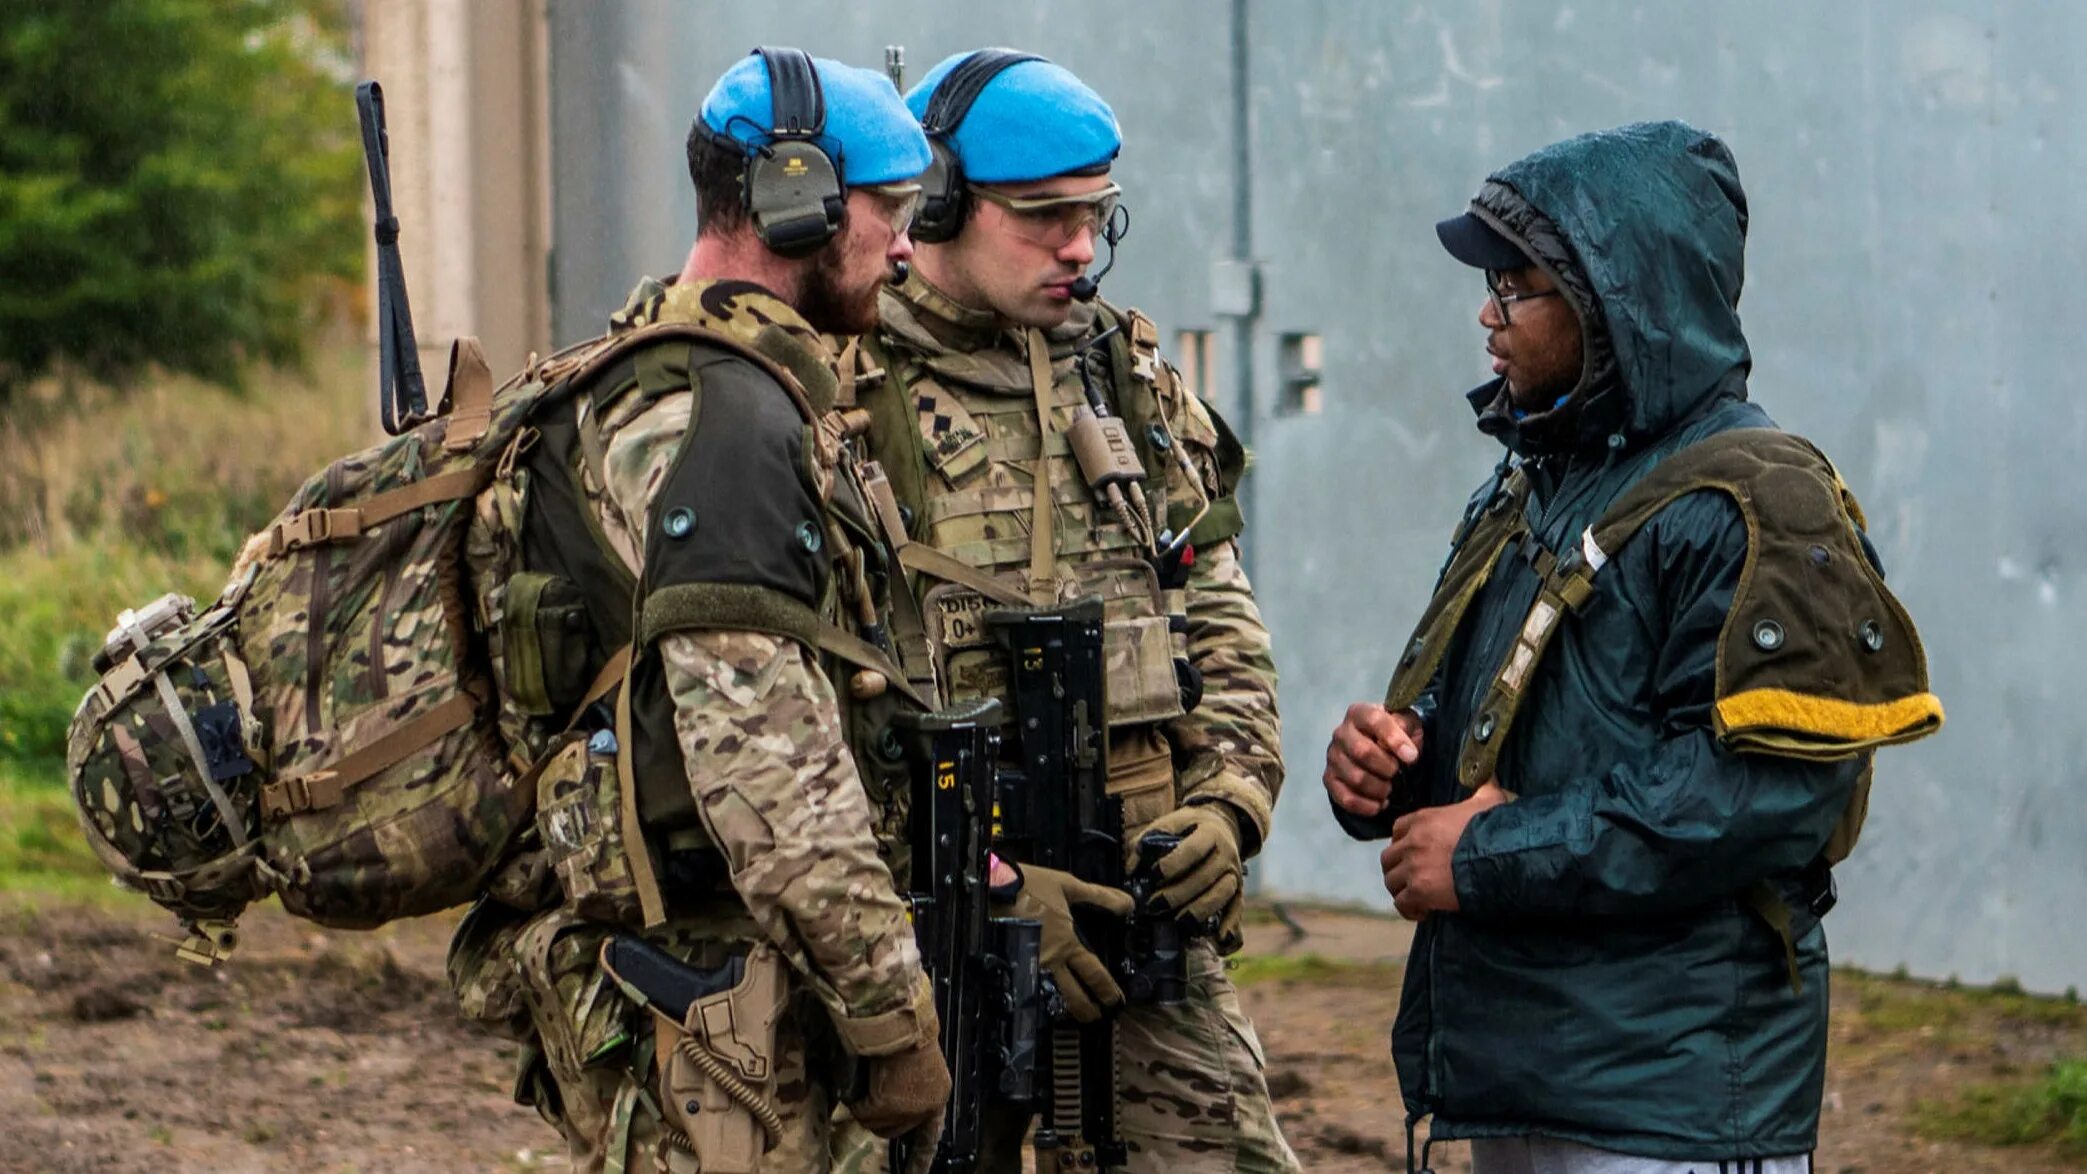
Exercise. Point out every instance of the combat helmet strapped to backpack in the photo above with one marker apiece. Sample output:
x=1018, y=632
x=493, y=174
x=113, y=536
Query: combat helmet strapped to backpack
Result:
x=322, y=731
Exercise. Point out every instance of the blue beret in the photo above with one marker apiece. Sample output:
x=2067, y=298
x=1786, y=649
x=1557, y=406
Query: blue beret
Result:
x=869, y=131
x=1032, y=121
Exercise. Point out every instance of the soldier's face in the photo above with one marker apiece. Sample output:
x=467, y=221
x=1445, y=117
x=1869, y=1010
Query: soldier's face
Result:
x=1533, y=336
x=840, y=291
x=1014, y=263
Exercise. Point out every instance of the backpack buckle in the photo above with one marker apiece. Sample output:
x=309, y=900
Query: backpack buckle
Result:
x=311, y=528
x=301, y=793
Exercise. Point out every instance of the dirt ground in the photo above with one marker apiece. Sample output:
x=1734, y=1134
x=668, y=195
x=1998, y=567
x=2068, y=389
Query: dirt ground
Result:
x=327, y=1051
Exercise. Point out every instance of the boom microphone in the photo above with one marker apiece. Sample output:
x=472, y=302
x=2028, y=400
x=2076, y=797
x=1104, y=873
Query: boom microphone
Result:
x=1083, y=287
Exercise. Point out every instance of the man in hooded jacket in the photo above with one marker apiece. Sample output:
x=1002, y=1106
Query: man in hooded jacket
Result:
x=1593, y=986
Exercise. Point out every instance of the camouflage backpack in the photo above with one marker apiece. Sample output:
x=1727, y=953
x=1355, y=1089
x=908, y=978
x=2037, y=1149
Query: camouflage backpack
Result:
x=325, y=731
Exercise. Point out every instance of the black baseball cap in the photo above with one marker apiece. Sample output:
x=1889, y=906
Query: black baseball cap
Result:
x=1479, y=245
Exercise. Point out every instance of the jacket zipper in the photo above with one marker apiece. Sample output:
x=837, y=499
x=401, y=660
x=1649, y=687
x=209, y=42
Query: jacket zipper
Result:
x=1432, y=1094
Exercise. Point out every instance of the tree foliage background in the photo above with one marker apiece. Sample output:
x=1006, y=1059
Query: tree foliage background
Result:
x=179, y=184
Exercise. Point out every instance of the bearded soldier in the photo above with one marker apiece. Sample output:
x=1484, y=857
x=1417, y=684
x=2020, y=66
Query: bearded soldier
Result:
x=727, y=944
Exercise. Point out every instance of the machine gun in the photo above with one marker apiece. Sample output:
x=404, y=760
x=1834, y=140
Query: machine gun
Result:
x=1005, y=1036
x=986, y=970
x=1052, y=808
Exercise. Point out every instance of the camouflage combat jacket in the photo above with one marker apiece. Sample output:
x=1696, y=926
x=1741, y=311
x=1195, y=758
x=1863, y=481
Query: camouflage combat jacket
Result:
x=962, y=439
x=810, y=832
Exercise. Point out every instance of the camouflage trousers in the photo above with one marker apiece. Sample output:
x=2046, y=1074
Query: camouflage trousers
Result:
x=1192, y=1092
x=589, y=1065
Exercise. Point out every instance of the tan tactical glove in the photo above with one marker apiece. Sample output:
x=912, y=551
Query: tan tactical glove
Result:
x=1048, y=896
x=907, y=1090
x=1200, y=878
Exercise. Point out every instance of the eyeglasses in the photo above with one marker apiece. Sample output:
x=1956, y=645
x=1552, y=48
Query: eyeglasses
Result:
x=1502, y=299
x=1054, y=221
x=900, y=201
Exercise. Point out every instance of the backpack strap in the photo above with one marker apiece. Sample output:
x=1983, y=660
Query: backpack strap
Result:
x=1043, y=541
x=316, y=527
x=1494, y=525
x=468, y=419
x=470, y=395
x=862, y=654
x=894, y=443
x=326, y=788
x=1567, y=582
x=1798, y=513
x=637, y=845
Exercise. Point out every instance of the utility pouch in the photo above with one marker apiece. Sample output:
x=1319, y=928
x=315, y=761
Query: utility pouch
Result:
x=1102, y=446
x=717, y=1054
x=578, y=810
x=1144, y=685
x=1139, y=642
x=575, y=1011
x=551, y=649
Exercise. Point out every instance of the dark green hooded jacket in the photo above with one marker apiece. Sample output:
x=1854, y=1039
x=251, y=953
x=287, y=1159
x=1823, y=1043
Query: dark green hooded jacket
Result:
x=1604, y=981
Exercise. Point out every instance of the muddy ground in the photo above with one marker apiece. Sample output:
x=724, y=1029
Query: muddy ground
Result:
x=327, y=1051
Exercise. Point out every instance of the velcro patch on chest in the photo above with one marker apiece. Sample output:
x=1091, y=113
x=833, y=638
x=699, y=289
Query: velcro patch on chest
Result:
x=954, y=443
x=959, y=618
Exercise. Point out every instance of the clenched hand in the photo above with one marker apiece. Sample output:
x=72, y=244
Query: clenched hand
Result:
x=1416, y=863
x=1048, y=896
x=1369, y=749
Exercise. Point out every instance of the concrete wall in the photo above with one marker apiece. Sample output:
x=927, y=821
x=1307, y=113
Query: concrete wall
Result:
x=467, y=106
x=1909, y=303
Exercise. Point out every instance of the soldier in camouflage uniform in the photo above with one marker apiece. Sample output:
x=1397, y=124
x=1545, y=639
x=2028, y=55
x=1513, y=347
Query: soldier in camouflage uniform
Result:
x=973, y=381
x=764, y=836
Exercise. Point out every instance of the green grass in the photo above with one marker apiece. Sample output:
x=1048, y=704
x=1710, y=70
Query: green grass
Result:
x=40, y=834
x=2052, y=1108
x=1250, y=969
x=41, y=849
x=54, y=610
x=1897, y=1004
x=109, y=500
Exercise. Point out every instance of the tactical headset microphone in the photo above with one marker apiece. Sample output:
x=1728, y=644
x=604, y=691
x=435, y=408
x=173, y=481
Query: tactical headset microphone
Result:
x=1084, y=288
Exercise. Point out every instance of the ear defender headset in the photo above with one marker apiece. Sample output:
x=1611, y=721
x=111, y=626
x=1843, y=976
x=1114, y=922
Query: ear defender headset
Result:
x=792, y=187
x=944, y=199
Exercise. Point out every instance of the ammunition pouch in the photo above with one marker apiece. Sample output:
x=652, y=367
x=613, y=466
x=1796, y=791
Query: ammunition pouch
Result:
x=550, y=644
